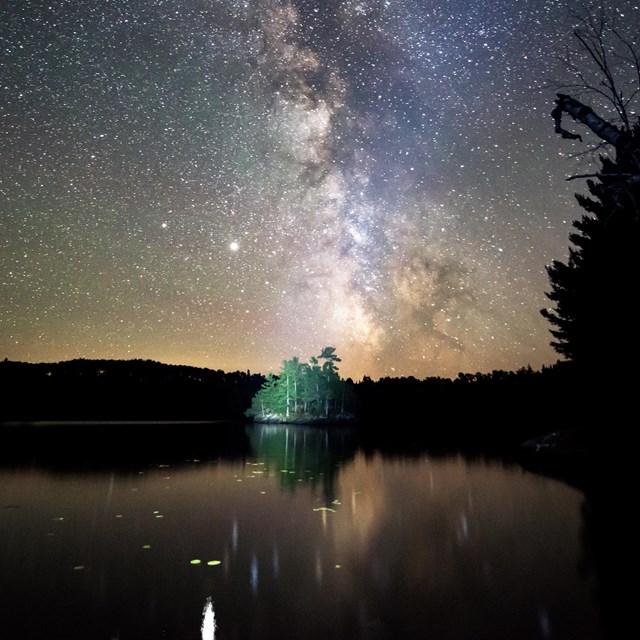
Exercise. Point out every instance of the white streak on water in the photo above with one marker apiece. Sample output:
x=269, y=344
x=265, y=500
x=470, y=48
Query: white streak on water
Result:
x=208, y=621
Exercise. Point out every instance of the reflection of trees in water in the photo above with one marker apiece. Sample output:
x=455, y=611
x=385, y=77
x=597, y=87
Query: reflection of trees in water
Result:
x=609, y=533
x=610, y=542
x=121, y=445
x=303, y=455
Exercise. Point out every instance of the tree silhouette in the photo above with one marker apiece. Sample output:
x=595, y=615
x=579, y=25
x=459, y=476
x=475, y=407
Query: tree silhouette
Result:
x=594, y=292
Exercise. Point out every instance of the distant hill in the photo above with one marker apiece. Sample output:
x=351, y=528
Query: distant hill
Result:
x=500, y=407
x=122, y=390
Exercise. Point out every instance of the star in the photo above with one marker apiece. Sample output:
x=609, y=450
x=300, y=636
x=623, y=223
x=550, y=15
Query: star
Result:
x=387, y=171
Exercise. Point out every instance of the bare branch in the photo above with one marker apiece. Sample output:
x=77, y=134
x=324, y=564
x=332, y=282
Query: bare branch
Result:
x=594, y=152
x=600, y=175
x=611, y=55
x=595, y=48
x=582, y=175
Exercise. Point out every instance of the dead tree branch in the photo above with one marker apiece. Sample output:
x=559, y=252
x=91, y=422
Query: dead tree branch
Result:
x=584, y=114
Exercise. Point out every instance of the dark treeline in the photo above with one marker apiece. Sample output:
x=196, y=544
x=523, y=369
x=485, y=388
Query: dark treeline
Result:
x=478, y=409
x=499, y=409
x=122, y=390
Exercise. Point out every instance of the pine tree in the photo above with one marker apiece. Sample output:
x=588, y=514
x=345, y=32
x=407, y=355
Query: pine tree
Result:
x=595, y=291
x=267, y=401
x=330, y=378
x=302, y=390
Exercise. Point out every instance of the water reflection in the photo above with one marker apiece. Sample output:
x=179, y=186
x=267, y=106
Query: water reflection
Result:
x=254, y=574
x=349, y=545
x=208, y=627
x=303, y=455
x=98, y=446
x=609, y=537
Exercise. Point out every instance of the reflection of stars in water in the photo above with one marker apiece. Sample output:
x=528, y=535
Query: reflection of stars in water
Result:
x=386, y=170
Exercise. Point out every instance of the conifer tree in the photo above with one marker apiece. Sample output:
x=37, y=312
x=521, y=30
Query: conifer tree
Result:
x=303, y=391
x=595, y=291
x=330, y=378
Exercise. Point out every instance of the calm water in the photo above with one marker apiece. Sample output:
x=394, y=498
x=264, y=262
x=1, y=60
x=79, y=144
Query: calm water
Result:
x=294, y=534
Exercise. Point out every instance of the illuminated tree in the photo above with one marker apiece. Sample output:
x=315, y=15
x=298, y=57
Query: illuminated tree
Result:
x=291, y=377
x=268, y=399
x=311, y=385
x=302, y=391
x=330, y=378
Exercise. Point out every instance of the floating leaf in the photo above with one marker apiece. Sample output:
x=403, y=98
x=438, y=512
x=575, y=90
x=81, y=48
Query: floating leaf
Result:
x=214, y=563
x=195, y=561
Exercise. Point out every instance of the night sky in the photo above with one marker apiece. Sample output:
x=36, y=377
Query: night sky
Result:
x=228, y=183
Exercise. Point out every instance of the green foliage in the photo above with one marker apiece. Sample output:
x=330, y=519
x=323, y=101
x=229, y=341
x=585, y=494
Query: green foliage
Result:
x=303, y=391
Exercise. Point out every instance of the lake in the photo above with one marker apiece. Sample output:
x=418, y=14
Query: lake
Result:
x=289, y=532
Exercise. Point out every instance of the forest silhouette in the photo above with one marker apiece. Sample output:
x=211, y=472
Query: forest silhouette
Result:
x=472, y=408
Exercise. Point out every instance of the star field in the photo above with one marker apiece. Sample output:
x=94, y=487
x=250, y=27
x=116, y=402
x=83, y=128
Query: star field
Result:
x=226, y=183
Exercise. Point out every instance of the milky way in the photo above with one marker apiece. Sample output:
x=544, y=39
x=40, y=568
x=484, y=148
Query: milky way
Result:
x=226, y=183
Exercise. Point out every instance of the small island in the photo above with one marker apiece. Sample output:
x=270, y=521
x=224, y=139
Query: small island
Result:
x=305, y=393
